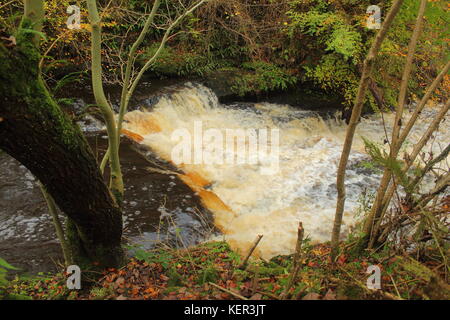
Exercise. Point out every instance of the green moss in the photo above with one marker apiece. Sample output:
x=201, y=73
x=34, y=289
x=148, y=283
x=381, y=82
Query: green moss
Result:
x=333, y=74
x=172, y=63
x=29, y=87
x=258, y=77
x=100, y=293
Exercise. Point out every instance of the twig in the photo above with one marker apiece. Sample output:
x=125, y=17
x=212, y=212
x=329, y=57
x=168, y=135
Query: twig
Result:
x=250, y=252
x=53, y=210
x=6, y=4
x=297, y=264
x=270, y=295
x=156, y=170
x=298, y=245
x=237, y=295
x=255, y=281
x=395, y=286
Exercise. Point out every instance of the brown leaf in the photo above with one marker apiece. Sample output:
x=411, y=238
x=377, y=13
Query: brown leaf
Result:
x=330, y=295
x=311, y=296
x=256, y=296
x=12, y=41
x=121, y=297
x=342, y=259
x=120, y=281
x=135, y=291
x=163, y=277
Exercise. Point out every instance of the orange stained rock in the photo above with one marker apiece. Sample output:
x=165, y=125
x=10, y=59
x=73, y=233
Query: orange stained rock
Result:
x=223, y=213
x=212, y=201
x=142, y=123
x=134, y=136
x=197, y=179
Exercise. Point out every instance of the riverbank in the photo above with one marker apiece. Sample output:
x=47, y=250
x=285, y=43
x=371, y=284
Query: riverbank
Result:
x=212, y=271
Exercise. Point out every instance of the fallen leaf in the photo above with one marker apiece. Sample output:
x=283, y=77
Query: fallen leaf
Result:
x=330, y=295
x=342, y=259
x=163, y=277
x=135, y=291
x=120, y=281
x=256, y=296
x=311, y=296
x=12, y=41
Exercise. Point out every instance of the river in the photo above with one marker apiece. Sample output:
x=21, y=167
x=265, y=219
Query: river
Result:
x=184, y=202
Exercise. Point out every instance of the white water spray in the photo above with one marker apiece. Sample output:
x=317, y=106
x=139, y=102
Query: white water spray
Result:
x=245, y=202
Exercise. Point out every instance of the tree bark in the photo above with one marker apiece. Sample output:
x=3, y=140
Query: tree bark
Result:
x=377, y=95
x=116, y=183
x=36, y=132
x=356, y=113
x=375, y=213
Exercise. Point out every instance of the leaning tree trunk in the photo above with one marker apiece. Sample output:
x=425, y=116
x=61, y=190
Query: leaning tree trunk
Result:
x=356, y=114
x=35, y=131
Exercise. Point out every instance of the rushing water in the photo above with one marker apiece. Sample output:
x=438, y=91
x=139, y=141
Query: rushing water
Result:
x=245, y=202
x=157, y=208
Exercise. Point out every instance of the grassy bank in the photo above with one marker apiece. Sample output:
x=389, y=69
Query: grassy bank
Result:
x=211, y=271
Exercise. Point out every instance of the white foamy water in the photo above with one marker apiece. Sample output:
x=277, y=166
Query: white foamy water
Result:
x=246, y=203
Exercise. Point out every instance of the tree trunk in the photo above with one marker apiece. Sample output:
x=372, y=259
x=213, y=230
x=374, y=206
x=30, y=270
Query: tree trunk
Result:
x=375, y=213
x=356, y=113
x=36, y=132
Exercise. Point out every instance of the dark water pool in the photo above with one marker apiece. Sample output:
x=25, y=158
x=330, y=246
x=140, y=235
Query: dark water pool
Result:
x=157, y=207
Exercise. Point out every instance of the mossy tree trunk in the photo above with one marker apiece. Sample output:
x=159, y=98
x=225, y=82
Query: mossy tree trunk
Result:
x=36, y=132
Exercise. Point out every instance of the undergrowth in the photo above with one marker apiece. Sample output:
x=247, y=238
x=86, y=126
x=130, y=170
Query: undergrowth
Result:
x=210, y=271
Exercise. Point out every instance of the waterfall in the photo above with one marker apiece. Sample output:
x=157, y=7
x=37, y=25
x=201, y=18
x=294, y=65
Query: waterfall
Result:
x=245, y=201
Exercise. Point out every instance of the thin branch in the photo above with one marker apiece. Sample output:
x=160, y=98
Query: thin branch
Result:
x=356, y=113
x=149, y=63
x=418, y=147
x=53, y=210
x=296, y=263
x=130, y=63
x=375, y=212
x=440, y=187
x=423, y=102
x=237, y=295
x=443, y=155
x=101, y=100
x=250, y=252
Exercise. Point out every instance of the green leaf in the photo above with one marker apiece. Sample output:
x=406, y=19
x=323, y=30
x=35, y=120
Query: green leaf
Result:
x=6, y=265
x=40, y=34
